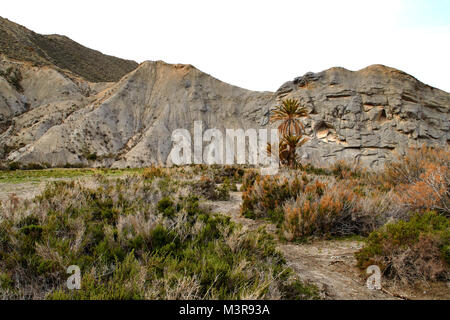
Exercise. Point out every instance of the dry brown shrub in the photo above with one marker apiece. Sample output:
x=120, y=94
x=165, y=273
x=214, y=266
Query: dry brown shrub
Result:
x=419, y=262
x=326, y=209
x=408, y=169
x=430, y=191
x=153, y=172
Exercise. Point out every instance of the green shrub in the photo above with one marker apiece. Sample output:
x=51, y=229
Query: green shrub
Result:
x=166, y=206
x=13, y=166
x=91, y=156
x=5, y=281
x=410, y=250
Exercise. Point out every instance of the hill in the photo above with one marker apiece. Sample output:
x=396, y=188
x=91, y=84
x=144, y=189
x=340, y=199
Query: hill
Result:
x=19, y=43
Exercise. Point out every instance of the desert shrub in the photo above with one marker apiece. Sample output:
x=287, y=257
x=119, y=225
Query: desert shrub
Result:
x=232, y=173
x=420, y=179
x=91, y=156
x=326, y=209
x=223, y=191
x=153, y=172
x=431, y=191
x=408, y=168
x=13, y=166
x=341, y=169
x=308, y=168
x=166, y=206
x=412, y=250
x=207, y=188
x=302, y=205
x=269, y=193
x=5, y=281
x=33, y=166
x=249, y=179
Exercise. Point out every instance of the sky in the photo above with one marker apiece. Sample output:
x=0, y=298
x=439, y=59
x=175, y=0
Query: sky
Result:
x=256, y=45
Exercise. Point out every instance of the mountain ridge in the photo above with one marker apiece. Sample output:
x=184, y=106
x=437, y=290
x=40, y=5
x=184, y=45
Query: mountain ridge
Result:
x=19, y=43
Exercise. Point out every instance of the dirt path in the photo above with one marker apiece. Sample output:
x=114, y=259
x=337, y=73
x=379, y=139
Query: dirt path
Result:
x=330, y=265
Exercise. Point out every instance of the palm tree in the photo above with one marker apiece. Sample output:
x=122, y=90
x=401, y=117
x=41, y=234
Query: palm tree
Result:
x=291, y=129
x=289, y=145
x=289, y=112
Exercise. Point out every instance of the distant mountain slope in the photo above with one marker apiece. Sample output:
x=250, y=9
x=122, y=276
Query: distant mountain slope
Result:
x=17, y=42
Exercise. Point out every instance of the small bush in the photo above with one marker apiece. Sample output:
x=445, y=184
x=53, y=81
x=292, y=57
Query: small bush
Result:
x=33, y=166
x=410, y=251
x=207, y=188
x=409, y=168
x=431, y=191
x=249, y=179
x=13, y=166
x=326, y=210
x=153, y=172
x=166, y=206
x=344, y=170
x=267, y=194
x=91, y=156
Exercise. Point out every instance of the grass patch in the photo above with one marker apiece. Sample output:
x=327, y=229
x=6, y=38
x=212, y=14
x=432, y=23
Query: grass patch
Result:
x=20, y=176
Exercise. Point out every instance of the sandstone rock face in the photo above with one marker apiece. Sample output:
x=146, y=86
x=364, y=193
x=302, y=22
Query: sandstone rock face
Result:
x=57, y=118
x=368, y=115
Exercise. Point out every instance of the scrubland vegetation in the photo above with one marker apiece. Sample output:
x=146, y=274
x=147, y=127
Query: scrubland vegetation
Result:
x=149, y=234
x=404, y=210
x=144, y=235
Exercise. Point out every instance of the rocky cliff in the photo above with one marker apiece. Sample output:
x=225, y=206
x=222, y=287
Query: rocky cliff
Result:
x=51, y=115
x=369, y=114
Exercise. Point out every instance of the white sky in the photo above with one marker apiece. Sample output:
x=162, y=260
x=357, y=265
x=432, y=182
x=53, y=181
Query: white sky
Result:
x=257, y=45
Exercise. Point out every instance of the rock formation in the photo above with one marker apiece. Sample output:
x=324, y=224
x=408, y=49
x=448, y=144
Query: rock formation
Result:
x=54, y=115
x=368, y=114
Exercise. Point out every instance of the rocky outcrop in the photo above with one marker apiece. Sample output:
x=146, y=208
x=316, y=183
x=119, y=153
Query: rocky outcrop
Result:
x=369, y=114
x=365, y=115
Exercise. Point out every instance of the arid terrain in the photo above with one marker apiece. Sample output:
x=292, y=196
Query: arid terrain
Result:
x=86, y=180
x=326, y=265
x=56, y=111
